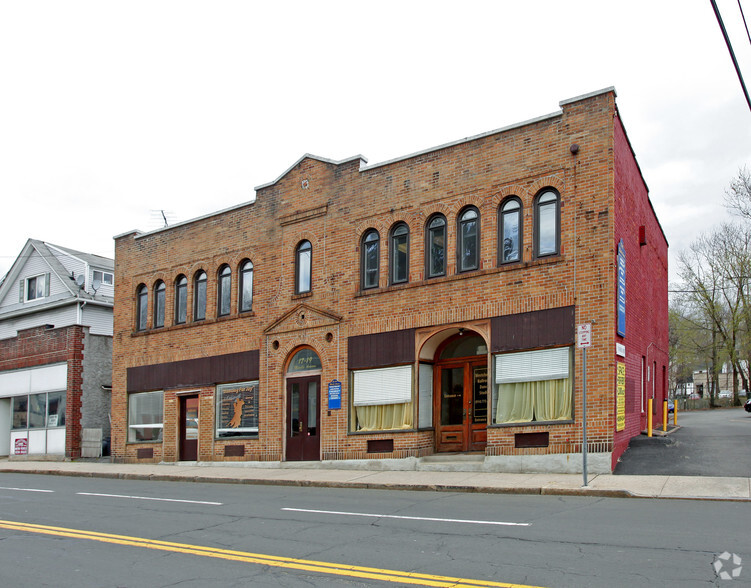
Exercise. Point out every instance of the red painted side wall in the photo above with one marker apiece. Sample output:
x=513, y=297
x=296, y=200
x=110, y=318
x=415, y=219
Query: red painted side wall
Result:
x=646, y=293
x=41, y=346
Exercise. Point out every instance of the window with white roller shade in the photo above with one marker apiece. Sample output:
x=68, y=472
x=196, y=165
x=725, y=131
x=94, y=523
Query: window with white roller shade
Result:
x=391, y=385
x=532, y=366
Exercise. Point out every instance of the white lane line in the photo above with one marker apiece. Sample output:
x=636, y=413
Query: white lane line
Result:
x=149, y=498
x=26, y=489
x=386, y=516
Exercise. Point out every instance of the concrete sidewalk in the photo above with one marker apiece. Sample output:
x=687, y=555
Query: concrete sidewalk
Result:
x=325, y=475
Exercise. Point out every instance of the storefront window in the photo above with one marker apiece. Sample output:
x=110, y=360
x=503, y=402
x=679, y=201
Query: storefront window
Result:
x=37, y=411
x=145, y=417
x=56, y=409
x=20, y=412
x=382, y=399
x=237, y=410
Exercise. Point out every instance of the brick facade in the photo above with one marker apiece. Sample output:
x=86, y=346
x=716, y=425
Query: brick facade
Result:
x=332, y=205
x=41, y=346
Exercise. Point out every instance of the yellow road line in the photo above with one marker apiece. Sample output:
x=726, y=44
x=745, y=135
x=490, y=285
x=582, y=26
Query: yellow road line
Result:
x=262, y=559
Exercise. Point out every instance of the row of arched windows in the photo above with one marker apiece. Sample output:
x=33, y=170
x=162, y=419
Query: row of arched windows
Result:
x=546, y=240
x=200, y=285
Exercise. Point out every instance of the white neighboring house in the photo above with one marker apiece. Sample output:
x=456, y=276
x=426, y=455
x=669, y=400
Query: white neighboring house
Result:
x=56, y=313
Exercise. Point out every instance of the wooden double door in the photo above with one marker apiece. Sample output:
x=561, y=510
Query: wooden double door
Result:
x=460, y=392
x=303, y=419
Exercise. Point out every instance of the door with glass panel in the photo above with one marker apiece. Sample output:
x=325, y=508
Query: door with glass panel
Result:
x=303, y=430
x=461, y=394
x=188, y=428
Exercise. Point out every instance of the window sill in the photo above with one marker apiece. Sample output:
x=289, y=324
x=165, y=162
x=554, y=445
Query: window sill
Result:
x=507, y=267
x=301, y=296
x=530, y=424
x=200, y=323
x=382, y=432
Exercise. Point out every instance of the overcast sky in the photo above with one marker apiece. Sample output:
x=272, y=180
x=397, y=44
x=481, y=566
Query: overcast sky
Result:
x=112, y=111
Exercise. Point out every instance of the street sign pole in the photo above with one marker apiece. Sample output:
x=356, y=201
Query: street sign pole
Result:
x=584, y=417
x=584, y=340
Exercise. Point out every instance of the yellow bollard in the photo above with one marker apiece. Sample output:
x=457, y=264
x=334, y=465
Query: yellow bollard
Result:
x=665, y=415
x=649, y=416
x=675, y=412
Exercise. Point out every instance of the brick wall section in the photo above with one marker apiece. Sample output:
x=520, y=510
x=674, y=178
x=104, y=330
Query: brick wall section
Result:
x=41, y=346
x=97, y=372
x=646, y=290
x=332, y=206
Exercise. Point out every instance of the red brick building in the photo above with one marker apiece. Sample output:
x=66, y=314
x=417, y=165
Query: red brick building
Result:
x=422, y=305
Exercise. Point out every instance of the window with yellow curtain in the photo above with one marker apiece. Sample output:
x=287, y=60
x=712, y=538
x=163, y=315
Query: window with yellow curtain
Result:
x=533, y=386
x=382, y=399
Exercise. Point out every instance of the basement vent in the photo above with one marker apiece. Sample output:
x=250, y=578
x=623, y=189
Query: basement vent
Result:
x=524, y=440
x=381, y=446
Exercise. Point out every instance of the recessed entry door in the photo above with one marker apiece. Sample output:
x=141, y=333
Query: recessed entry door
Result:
x=461, y=405
x=303, y=422
x=188, y=428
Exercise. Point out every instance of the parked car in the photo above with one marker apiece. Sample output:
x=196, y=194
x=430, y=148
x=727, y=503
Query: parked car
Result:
x=725, y=394
x=747, y=406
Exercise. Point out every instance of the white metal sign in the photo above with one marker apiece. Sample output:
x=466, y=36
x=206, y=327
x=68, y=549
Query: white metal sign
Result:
x=584, y=335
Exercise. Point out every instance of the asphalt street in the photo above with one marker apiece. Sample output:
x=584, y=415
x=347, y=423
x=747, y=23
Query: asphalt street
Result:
x=708, y=443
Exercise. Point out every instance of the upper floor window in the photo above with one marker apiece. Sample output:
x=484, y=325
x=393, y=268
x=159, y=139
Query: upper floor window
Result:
x=181, y=300
x=160, y=302
x=547, y=224
x=435, y=248
x=468, y=243
x=303, y=266
x=105, y=278
x=224, y=291
x=142, y=305
x=246, y=286
x=510, y=231
x=35, y=288
x=370, y=259
x=399, y=266
x=199, y=296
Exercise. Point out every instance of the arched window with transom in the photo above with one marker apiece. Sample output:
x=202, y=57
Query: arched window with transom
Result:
x=199, y=296
x=399, y=254
x=160, y=303
x=468, y=239
x=510, y=231
x=547, y=223
x=224, y=291
x=303, y=267
x=246, y=286
x=142, y=306
x=370, y=252
x=435, y=246
x=181, y=300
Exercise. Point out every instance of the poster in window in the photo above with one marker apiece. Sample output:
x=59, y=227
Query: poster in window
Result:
x=237, y=410
x=620, y=398
x=480, y=400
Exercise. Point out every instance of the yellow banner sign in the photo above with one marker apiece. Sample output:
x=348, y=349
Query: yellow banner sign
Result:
x=620, y=397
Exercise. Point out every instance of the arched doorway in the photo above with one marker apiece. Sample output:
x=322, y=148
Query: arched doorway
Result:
x=303, y=383
x=460, y=393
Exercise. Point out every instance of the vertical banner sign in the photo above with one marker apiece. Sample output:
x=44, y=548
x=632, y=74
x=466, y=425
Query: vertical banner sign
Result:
x=335, y=395
x=620, y=398
x=621, y=289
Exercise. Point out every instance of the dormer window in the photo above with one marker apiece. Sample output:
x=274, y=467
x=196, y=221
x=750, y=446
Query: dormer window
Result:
x=35, y=288
x=105, y=278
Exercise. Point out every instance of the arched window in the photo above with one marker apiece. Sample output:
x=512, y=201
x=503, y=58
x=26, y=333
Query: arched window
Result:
x=435, y=246
x=224, y=291
x=547, y=224
x=510, y=231
x=246, y=286
x=468, y=241
x=399, y=254
x=160, y=302
x=199, y=296
x=369, y=264
x=303, y=267
x=181, y=300
x=142, y=305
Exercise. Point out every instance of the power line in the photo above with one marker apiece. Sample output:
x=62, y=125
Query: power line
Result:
x=732, y=54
